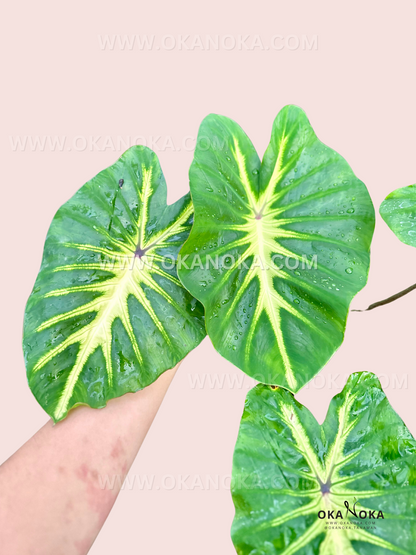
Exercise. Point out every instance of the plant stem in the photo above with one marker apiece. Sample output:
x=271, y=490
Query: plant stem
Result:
x=389, y=299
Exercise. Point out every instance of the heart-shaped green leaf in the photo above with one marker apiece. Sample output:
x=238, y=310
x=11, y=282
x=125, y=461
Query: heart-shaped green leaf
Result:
x=108, y=314
x=294, y=480
x=398, y=210
x=278, y=249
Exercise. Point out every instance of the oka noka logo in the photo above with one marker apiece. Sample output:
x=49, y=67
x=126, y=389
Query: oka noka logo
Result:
x=363, y=514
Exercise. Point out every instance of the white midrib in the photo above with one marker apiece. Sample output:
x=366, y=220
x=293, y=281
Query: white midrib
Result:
x=116, y=294
x=272, y=310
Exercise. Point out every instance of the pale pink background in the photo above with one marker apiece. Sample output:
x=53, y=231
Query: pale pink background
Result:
x=358, y=89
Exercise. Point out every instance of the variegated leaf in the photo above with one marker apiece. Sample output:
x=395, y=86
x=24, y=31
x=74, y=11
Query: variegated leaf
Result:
x=108, y=314
x=347, y=487
x=278, y=249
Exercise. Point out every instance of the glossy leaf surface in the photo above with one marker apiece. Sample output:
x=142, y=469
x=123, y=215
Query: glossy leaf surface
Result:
x=108, y=313
x=289, y=471
x=399, y=213
x=278, y=249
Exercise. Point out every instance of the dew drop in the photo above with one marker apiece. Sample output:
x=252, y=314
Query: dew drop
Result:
x=349, y=270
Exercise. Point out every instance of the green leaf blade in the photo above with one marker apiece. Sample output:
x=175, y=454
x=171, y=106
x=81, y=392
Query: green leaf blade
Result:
x=287, y=468
x=290, y=238
x=398, y=210
x=108, y=313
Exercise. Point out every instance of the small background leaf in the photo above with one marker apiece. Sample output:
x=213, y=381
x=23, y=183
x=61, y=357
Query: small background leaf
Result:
x=398, y=210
